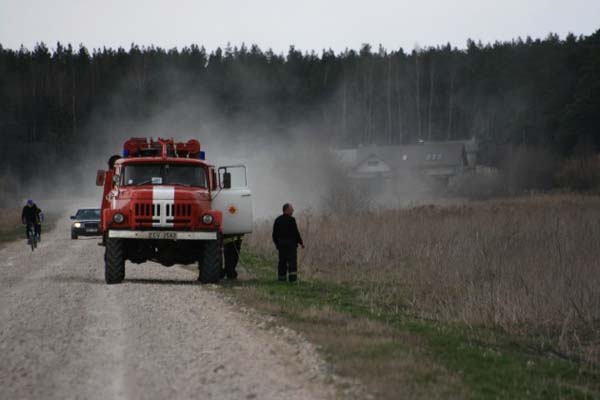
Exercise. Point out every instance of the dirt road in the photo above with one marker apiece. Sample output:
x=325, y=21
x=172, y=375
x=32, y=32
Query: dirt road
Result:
x=65, y=334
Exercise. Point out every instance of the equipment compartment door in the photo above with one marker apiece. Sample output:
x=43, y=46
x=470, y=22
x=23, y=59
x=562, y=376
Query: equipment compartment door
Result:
x=234, y=200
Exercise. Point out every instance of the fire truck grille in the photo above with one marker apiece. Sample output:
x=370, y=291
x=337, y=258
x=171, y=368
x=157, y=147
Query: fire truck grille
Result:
x=178, y=210
x=146, y=210
x=163, y=212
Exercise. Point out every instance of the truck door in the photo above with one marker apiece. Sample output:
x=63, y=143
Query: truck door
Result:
x=234, y=199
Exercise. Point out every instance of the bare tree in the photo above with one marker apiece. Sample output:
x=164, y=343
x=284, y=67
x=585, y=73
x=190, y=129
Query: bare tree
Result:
x=418, y=92
x=73, y=102
x=453, y=69
x=367, y=75
x=451, y=99
x=389, y=99
x=431, y=93
x=345, y=104
x=399, y=79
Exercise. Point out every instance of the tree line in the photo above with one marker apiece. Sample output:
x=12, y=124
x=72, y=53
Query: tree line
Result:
x=543, y=93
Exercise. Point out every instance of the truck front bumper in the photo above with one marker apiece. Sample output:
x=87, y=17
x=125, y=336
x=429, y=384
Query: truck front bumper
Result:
x=161, y=235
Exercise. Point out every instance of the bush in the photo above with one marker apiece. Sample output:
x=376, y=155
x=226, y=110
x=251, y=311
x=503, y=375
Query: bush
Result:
x=581, y=174
x=528, y=168
x=479, y=185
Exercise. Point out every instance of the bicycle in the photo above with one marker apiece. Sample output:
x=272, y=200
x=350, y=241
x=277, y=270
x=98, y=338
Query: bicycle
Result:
x=31, y=236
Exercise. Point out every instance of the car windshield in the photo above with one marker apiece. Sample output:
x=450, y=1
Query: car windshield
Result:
x=164, y=174
x=88, y=214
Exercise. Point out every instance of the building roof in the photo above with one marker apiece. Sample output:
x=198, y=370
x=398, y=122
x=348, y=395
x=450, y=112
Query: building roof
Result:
x=418, y=156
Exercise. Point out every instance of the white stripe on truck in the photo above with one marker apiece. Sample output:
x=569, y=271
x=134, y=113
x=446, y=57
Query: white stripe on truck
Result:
x=163, y=197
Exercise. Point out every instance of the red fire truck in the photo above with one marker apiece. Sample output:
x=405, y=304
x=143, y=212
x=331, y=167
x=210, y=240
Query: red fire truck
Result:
x=163, y=202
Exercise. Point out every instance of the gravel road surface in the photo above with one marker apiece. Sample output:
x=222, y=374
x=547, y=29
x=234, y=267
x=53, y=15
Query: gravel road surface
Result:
x=64, y=334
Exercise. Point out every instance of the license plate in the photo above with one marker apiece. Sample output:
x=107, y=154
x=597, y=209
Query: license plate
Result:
x=162, y=235
x=91, y=230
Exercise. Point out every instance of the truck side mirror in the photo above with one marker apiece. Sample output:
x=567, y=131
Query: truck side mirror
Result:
x=226, y=180
x=100, y=175
x=116, y=179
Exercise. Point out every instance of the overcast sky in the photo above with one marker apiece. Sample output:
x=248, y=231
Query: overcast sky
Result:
x=277, y=24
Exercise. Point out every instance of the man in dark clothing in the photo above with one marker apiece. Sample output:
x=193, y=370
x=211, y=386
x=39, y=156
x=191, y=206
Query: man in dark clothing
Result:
x=287, y=238
x=32, y=215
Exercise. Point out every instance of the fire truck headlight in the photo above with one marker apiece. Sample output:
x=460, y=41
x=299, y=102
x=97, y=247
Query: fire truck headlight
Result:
x=118, y=218
x=207, y=219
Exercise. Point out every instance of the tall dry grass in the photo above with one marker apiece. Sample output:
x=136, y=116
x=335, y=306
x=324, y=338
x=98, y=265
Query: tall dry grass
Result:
x=10, y=217
x=528, y=266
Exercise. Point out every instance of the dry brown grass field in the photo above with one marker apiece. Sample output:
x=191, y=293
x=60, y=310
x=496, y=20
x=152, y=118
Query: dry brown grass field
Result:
x=10, y=217
x=10, y=224
x=528, y=266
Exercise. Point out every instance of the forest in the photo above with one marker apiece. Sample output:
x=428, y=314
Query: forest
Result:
x=541, y=94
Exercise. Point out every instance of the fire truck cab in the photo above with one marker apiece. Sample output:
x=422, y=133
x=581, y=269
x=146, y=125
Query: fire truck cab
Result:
x=163, y=202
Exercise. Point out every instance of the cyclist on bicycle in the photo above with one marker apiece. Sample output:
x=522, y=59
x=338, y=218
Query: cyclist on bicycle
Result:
x=32, y=215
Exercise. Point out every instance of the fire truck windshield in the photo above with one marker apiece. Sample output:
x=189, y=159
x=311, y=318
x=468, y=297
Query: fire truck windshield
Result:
x=164, y=174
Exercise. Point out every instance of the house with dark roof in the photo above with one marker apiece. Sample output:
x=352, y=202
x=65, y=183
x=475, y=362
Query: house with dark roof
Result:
x=433, y=161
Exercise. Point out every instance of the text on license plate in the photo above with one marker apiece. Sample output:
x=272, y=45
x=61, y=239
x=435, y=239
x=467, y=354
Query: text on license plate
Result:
x=162, y=235
x=91, y=230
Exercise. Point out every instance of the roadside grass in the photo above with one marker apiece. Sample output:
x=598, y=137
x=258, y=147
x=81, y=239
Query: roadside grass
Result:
x=11, y=228
x=388, y=362
x=486, y=300
x=397, y=355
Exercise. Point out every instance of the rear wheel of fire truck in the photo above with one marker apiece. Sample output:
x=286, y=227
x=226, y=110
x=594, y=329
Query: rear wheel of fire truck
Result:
x=114, y=261
x=210, y=266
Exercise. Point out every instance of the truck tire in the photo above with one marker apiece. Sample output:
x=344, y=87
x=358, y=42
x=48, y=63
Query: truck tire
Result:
x=73, y=236
x=114, y=261
x=210, y=265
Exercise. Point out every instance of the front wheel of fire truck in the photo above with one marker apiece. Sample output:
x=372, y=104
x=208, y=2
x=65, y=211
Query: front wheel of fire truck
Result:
x=114, y=261
x=210, y=265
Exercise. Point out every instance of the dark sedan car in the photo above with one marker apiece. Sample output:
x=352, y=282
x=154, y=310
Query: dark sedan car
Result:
x=86, y=223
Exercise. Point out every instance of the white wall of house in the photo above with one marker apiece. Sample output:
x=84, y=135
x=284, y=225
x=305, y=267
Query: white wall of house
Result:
x=373, y=165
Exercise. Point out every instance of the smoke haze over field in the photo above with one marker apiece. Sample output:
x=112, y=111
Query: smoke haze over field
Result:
x=284, y=163
x=283, y=166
